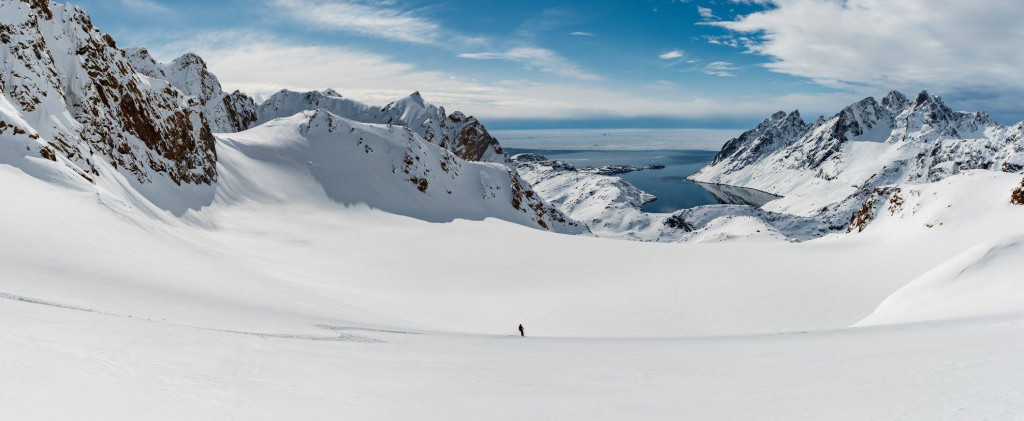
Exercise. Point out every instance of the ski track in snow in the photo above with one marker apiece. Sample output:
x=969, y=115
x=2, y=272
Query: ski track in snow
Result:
x=338, y=338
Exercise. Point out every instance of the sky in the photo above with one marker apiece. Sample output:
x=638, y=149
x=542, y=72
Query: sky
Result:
x=598, y=64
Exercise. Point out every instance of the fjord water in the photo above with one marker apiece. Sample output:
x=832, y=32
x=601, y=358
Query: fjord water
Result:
x=681, y=151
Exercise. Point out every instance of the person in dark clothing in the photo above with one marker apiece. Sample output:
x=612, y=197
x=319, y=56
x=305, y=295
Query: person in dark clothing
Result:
x=522, y=332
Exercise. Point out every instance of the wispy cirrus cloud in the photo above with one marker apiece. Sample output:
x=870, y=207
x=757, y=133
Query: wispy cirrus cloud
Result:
x=386, y=20
x=720, y=69
x=672, y=55
x=582, y=34
x=147, y=7
x=535, y=58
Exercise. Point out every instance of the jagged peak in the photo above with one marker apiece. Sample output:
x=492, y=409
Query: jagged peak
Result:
x=417, y=98
x=331, y=92
x=189, y=59
x=779, y=115
x=924, y=97
x=895, y=101
x=866, y=101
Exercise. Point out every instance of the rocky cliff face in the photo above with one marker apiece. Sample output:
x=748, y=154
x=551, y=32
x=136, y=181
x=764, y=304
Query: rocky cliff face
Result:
x=464, y=136
x=70, y=95
x=226, y=113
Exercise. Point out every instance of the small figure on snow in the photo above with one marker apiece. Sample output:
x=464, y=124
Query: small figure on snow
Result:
x=522, y=332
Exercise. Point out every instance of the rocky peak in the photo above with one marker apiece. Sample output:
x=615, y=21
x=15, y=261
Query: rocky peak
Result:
x=190, y=60
x=931, y=107
x=189, y=74
x=771, y=135
x=895, y=102
x=416, y=98
x=89, y=104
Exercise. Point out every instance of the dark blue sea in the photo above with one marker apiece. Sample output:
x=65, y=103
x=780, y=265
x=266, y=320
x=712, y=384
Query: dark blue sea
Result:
x=595, y=148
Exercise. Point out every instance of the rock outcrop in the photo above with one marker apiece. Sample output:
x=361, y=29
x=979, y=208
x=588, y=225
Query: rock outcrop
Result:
x=70, y=95
x=226, y=113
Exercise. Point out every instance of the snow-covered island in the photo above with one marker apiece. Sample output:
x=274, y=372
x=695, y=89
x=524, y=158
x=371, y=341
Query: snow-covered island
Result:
x=170, y=250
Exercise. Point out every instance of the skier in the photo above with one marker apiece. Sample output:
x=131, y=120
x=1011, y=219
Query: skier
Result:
x=522, y=332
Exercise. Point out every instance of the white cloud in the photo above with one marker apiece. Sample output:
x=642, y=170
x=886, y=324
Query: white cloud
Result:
x=674, y=54
x=706, y=13
x=261, y=65
x=368, y=19
x=720, y=68
x=582, y=34
x=960, y=48
x=539, y=59
x=146, y=6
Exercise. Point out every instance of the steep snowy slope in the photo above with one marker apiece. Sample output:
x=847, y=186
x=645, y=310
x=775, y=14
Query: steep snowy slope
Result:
x=387, y=167
x=226, y=113
x=464, y=136
x=71, y=96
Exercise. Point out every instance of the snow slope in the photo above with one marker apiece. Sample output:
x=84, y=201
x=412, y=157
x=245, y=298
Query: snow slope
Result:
x=348, y=261
x=304, y=308
x=384, y=166
x=984, y=280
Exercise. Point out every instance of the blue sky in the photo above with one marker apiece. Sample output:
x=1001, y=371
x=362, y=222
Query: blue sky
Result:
x=643, y=63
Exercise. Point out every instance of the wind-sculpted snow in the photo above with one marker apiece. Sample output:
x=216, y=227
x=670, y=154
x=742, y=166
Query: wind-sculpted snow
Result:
x=226, y=113
x=464, y=136
x=71, y=96
x=387, y=167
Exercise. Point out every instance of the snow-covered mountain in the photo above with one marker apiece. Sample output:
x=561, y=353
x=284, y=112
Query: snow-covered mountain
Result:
x=608, y=205
x=72, y=97
x=464, y=136
x=910, y=141
x=140, y=129
x=388, y=167
x=374, y=262
x=226, y=113
x=830, y=169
